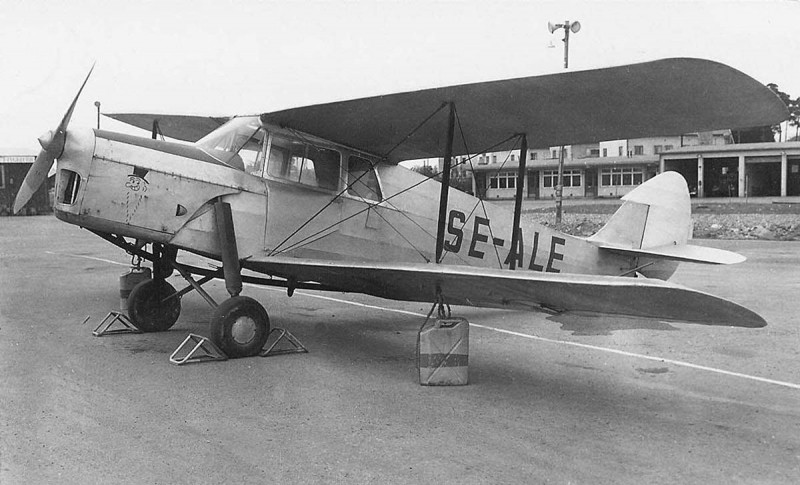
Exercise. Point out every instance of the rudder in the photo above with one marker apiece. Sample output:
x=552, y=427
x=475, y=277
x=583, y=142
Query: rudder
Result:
x=657, y=213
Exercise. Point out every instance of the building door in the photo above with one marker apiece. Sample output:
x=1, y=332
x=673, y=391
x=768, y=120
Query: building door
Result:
x=533, y=184
x=793, y=177
x=590, y=177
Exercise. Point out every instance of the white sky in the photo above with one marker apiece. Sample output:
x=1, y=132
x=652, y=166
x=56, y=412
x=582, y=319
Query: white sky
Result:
x=230, y=57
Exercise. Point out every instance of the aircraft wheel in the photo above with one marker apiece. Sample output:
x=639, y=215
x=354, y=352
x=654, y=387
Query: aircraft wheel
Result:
x=147, y=310
x=240, y=327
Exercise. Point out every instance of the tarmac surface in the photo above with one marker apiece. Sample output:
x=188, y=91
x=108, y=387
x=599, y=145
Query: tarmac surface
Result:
x=562, y=399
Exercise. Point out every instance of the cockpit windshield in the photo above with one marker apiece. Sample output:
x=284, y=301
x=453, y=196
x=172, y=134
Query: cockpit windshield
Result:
x=238, y=143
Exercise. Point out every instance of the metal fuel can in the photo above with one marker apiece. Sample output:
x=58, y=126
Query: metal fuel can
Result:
x=443, y=357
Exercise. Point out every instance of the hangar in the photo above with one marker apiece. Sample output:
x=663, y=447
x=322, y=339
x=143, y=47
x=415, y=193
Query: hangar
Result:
x=14, y=164
x=738, y=170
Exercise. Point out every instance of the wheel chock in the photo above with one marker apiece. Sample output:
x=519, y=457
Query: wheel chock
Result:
x=295, y=347
x=202, y=350
x=115, y=317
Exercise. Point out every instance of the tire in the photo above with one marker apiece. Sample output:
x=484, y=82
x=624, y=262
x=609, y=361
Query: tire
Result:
x=146, y=309
x=240, y=327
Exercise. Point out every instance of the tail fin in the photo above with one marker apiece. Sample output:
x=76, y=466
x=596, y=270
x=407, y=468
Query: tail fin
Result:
x=654, y=223
x=656, y=213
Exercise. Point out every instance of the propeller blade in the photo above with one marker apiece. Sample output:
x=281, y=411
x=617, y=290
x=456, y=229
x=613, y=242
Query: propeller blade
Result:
x=59, y=135
x=52, y=146
x=36, y=175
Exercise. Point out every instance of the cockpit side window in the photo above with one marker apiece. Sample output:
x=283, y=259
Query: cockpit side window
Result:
x=239, y=143
x=302, y=162
x=362, y=181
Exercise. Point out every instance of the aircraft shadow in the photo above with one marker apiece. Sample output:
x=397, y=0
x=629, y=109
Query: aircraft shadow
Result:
x=597, y=324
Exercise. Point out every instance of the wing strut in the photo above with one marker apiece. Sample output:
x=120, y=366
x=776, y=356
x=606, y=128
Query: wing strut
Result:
x=515, y=229
x=448, y=155
x=227, y=245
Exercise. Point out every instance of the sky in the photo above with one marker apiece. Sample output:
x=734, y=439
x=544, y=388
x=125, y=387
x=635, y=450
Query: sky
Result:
x=226, y=57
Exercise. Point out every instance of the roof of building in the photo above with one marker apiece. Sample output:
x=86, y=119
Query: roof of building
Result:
x=12, y=156
x=570, y=163
x=792, y=146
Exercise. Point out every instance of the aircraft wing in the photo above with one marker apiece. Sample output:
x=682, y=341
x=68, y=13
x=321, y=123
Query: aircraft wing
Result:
x=464, y=285
x=181, y=127
x=665, y=97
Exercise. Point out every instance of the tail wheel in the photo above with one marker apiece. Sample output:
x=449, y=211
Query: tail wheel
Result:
x=147, y=308
x=240, y=327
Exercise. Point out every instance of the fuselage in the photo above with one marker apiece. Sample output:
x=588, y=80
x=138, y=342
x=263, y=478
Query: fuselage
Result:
x=295, y=195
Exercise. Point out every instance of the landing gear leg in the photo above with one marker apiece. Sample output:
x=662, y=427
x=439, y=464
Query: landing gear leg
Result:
x=240, y=325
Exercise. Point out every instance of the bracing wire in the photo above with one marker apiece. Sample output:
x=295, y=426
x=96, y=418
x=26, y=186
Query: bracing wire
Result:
x=313, y=237
x=469, y=160
x=348, y=186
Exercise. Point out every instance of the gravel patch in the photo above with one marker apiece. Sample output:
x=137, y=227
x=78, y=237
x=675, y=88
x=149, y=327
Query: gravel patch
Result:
x=777, y=227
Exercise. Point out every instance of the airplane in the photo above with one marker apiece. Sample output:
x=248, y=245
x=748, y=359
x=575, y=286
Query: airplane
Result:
x=314, y=198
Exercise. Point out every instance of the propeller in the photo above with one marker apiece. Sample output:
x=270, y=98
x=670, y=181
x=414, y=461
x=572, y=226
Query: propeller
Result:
x=52, y=144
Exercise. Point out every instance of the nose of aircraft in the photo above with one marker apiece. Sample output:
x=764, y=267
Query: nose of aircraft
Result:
x=52, y=147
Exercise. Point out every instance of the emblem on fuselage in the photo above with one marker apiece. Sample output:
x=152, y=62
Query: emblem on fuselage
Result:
x=137, y=186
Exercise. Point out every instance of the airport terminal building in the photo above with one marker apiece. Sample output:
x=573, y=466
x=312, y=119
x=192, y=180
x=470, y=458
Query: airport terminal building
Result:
x=711, y=163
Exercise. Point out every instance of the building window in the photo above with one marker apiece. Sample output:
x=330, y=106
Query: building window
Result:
x=668, y=148
x=638, y=150
x=572, y=178
x=494, y=158
x=605, y=152
x=610, y=177
x=657, y=149
x=619, y=150
x=503, y=180
x=534, y=155
x=2, y=176
x=512, y=157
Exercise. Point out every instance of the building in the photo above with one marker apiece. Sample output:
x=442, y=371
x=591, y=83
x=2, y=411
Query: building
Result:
x=606, y=169
x=14, y=165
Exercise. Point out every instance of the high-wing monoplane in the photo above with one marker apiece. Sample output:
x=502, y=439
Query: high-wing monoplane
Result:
x=314, y=198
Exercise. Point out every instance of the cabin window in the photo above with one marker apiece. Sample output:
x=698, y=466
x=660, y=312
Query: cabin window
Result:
x=304, y=163
x=362, y=181
x=239, y=143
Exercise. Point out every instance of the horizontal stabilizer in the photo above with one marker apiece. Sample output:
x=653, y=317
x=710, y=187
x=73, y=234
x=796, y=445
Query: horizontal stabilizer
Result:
x=528, y=290
x=681, y=252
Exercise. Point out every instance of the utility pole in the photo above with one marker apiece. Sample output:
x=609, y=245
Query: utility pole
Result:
x=568, y=27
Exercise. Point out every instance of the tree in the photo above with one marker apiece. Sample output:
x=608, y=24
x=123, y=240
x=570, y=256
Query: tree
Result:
x=793, y=105
x=427, y=171
x=759, y=134
x=458, y=179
